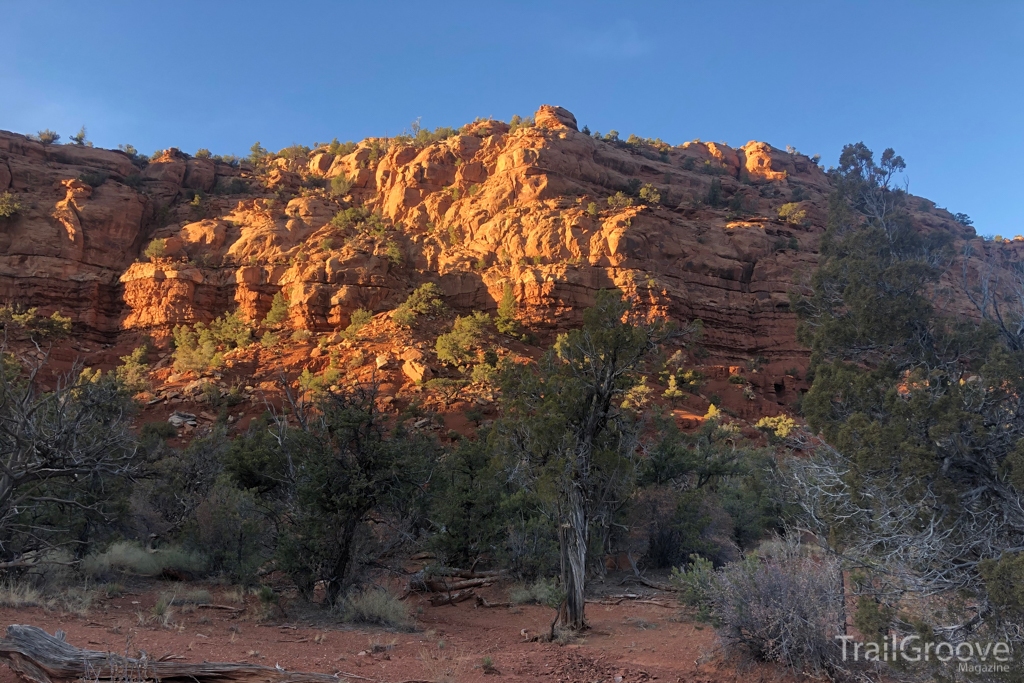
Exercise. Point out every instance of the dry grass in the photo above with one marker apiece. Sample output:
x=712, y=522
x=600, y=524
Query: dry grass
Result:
x=196, y=596
x=134, y=559
x=441, y=665
x=21, y=595
x=377, y=608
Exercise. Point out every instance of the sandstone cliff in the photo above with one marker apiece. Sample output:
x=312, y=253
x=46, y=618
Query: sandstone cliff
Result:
x=695, y=233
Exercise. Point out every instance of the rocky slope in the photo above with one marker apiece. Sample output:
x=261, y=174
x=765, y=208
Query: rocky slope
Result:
x=487, y=208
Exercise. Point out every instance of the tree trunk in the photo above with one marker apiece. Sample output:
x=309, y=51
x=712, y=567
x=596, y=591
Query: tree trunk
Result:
x=573, y=540
x=337, y=581
x=38, y=657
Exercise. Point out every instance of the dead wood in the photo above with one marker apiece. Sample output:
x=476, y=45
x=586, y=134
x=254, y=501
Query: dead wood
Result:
x=482, y=602
x=651, y=584
x=451, y=598
x=36, y=656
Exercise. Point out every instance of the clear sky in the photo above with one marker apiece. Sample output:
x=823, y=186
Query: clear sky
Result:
x=940, y=81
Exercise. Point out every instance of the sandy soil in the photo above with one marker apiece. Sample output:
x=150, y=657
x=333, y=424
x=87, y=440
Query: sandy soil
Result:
x=628, y=642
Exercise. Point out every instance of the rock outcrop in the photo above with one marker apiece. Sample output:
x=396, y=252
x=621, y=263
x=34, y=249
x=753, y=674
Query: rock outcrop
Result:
x=693, y=233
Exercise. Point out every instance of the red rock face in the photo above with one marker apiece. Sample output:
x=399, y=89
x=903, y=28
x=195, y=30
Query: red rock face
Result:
x=487, y=208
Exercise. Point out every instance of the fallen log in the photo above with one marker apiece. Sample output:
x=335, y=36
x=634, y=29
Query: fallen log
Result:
x=482, y=602
x=36, y=656
x=451, y=598
x=651, y=584
x=442, y=585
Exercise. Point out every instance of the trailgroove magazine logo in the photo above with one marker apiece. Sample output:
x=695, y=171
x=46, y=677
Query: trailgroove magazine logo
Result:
x=972, y=657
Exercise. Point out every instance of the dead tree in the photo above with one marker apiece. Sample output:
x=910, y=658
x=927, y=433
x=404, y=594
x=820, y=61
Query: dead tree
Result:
x=36, y=656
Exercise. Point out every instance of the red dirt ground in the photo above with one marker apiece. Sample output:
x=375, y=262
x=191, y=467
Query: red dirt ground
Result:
x=628, y=642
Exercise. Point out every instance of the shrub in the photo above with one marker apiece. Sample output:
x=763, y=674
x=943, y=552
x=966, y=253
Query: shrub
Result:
x=132, y=373
x=301, y=335
x=9, y=205
x=714, y=196
x=783, y=608
x=780, y=426
x=358, y=320
x=257, y=153
x=448, y=389
x=230, y=525
x=393, y=252
x=792, y=213
x=56, y=325
x=79, y=137
x=376, y=607
x=340, y=186
x=695, y=584
x=230, y=186
x=203, y=153
x=132, y=558
x=93, y=178
x=341, y=148
x=156, y=249
x=592, y=210
x=540, y=592
x=650, y=194
x=269, y=339
x=673, y=391
x=424, y=300
x=484, y=373
x=506, y=322
x=278, y=312
x=517, y=122
x=963, y=219
x=47, y=136
x=619, y=201
x=200, y=347
x=457, y=347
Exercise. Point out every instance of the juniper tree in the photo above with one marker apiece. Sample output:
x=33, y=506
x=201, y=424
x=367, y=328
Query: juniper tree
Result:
x=921, y=412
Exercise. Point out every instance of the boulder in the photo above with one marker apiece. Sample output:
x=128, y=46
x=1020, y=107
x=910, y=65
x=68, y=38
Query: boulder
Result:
x=416, y=371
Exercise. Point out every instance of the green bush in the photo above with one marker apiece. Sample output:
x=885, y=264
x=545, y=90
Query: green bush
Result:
x=93, y=178
x=56, y=325
x=278, y=312
x=448, y=389
x=341, y=148
x=9, y=205
x=340, y=186
x=540, y=592
x=156, y=249
x=359, y=319
x=695, y=584
x=458, y=347
x=506, y=322
x=200, y=346
x=650, y=194
x=393, y=252
x=230, y=526
x=425, y=300
x=619, y=200
x=133, y=371
x=518, y=122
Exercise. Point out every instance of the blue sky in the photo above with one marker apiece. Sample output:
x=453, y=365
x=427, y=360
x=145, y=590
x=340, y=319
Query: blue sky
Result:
x=939, y=81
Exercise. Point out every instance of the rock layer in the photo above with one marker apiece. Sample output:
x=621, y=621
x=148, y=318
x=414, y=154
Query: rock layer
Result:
x=694, y=234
